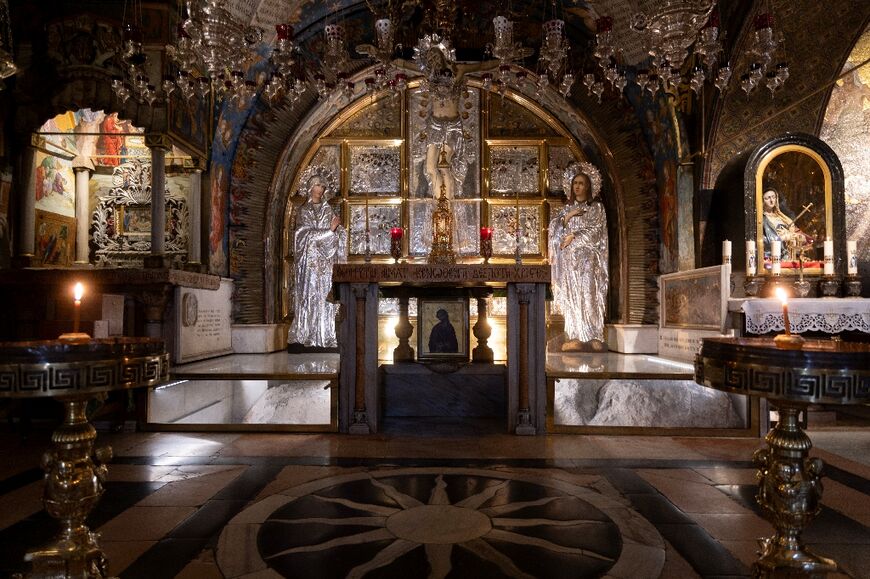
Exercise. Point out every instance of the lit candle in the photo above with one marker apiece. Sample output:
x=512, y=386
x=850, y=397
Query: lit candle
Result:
x=780, y=293
x=485, y=233
x=751, y=257
x=852, y=254
x=726, y=252
x=396, y=233
x=829, y=257
x=78, y=292
x=775, y=257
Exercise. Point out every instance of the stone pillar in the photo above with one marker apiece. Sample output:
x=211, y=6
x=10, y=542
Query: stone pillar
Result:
x=524, y=421
x=83, y=168
x=360, y=425
x=159, y=144
x=155, y=298
x=194, y=234
x=27, y=208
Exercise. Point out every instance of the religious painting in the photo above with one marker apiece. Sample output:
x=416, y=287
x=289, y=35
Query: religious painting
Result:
x=55, y=238
x=442, y=329
x=793, y=200
x=376, y=218
x=135, y=220
x=695, y=299
x=54, y=184
x=503, y=221
x=189, y=123
x=515, y=170
x=217, y=236
x=375, y=169
x=558, y=159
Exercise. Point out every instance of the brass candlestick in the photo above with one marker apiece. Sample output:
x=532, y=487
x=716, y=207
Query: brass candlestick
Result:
x=442, y=231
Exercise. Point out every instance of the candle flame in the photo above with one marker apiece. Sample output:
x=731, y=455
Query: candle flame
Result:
x=782, y=295
x=78, y=291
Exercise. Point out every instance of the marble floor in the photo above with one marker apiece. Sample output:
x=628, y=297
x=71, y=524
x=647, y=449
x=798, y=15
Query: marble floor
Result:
x=435, y=498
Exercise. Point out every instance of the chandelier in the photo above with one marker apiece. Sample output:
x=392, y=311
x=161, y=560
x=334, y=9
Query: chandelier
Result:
x=672, y=31
x=213, y=51
x=764, y=47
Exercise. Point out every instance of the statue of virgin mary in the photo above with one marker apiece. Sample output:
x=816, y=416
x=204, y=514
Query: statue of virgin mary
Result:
x=578, y=256
x=319, y=241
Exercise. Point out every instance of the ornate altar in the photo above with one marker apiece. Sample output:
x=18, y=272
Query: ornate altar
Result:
x=790, y=489
x=122, y=219
x=74, y=471
x=793, y=203
x=358, y=286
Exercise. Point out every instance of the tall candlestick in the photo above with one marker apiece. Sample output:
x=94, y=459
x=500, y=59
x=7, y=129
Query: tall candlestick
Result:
x=78, y=292
x=751, y=256
x=776, y=257
x=852, y=257
x=829, y=257
x=726, y=252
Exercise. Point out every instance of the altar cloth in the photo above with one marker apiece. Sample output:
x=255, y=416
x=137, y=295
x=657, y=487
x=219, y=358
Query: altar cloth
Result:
x=829, y=315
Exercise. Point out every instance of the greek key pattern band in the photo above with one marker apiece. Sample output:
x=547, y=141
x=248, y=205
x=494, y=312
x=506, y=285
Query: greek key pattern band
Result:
x=77, y=377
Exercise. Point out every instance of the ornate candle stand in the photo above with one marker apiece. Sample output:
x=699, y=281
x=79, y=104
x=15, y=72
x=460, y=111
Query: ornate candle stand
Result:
x=442, y=232
x=789, y=490
x=829, y=286
x=753, y=284
x=852, y=286
x=75, y=372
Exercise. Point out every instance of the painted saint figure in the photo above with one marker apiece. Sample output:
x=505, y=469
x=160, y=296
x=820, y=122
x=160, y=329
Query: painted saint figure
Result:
x=319, y=241
x=578, y=256
x=778, y=225
x=442, y=338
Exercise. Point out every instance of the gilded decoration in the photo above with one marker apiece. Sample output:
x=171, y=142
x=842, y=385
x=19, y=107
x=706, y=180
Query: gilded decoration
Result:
x=121, y=220
x=382, y=119
x=503, y=220
x=558, y=159
x=379, y=219
x=509, y=119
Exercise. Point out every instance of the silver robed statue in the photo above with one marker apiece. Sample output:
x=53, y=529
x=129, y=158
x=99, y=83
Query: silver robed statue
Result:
x=319, y=241
x=578, y=256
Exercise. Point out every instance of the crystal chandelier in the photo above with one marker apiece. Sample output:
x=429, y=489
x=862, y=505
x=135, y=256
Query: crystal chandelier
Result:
x=135, y=82
x=7, y=65
x=673, y=30
x=210, y=40
x=764, y=47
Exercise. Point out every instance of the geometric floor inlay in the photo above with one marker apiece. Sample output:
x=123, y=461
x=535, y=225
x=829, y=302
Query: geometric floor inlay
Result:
x=443, y=522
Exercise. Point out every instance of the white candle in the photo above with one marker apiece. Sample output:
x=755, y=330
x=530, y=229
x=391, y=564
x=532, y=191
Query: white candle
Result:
x=751, y=256
x=852, y=255
x=829, y=257
x=775, y=257
x=726, y=252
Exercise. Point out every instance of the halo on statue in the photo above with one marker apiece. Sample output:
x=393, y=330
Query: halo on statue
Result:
x=326, y=177
x=585, y=168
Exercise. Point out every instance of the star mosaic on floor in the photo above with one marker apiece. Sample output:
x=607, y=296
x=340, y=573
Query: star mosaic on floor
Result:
x=443, y=522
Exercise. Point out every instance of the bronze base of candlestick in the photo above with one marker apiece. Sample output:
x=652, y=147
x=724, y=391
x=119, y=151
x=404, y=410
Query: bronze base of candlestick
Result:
x=802, y=288
x=829, y=286
x=396, y=249
x=486, y=249
x=752, y=285
x=789, y=493
x=852, y=286
x=73, y=484
x=788, y=341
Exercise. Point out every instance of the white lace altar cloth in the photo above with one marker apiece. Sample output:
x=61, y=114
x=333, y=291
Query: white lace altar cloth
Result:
x=830, y=315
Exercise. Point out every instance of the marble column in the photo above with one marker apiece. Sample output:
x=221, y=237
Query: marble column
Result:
x=27, y=215
x=158, y=144
x=194, y=236
x=83, y=168
x=524, y=421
